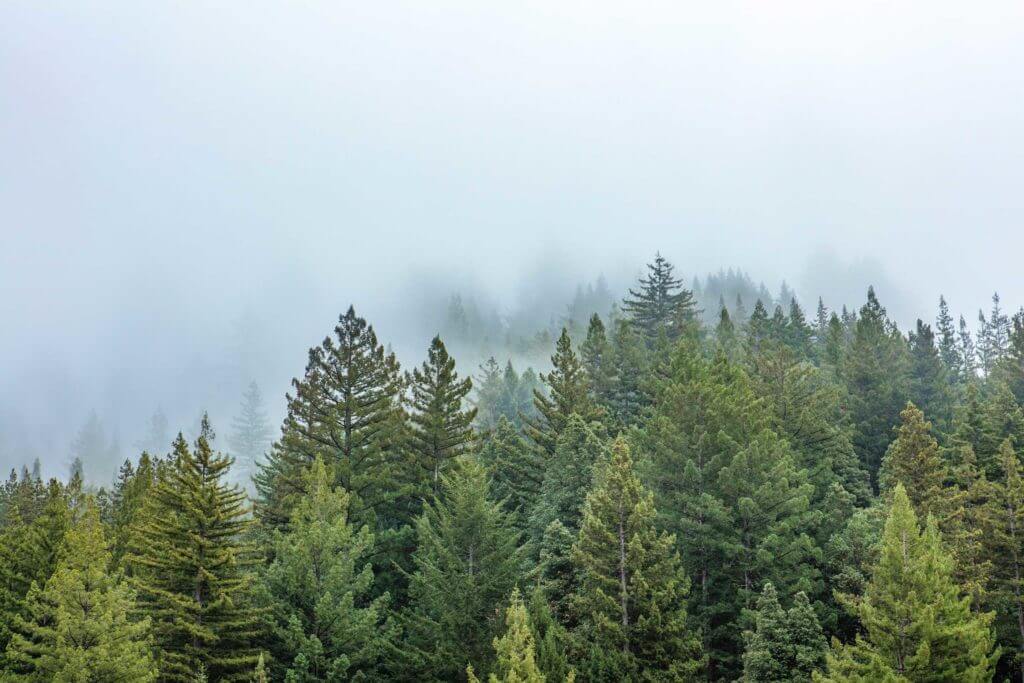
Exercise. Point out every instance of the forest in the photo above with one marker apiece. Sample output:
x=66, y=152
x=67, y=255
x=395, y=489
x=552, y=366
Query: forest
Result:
x=705, y=483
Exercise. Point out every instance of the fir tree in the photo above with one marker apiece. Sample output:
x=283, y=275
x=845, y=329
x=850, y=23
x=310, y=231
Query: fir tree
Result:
x=516, y=470
x=346, y=409
x=968, y=353
x=784, y=646
x=929, y=384
x=949, y=352
x=77, y=626
x=627, y=397
x=568, y=393
x=917, y=624
x=192, y=568
x=441, y=429
x=325, y=624
x=631, y=603
x=913, y=460
x=516, y=656
x=551, y=640
x=661, y=305
x=595, y=355
x=467, y=560
x=251, y=433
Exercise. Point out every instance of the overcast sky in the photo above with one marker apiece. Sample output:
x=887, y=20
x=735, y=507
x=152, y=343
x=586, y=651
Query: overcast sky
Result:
x=165, y=166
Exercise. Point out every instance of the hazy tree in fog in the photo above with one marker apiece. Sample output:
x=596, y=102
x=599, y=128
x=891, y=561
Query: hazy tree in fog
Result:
x=90, y=446
x=157, y=438
x=250, y=430
x=660, y=304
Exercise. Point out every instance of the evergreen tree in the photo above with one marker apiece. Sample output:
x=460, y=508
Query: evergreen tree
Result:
x=568, y=393
x=661, y=305
x=968, y=353
x=467, y=560
x=516, y=656
x=874, y=373
x=949, y=352
x=325, y=624
x=913, y=460
x=516, y=470
x=157, y=436
x=441, y=429
x=917, y=624
x=77, y=626
x=784, y=646
x=627, y=396
x=346, y=409
x=191, y=567
x=251, y=433
x=993, y=337
x=726, y=340
x=929, y=384
x=798, y=332
x=595, y=355
x=631, y=602
x=551, y=640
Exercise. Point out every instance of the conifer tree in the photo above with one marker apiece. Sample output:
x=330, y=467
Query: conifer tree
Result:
x=875, y=375
x=441, y=429
x=913, y=460
x=29, y=548
x=568, y=393
x=917, y=624
x=821, y=318
x=467, y=561
x=834, y=353
x=993, y=337
x=628, y=396
x=798, y=332
x=947, y=343
x=516, y=470
x=631, y=603
x=660, y=305
x=784, y=646
x=595, y=355
x=77, y=626
x=726, y=340
x=551, y=640
x=968, y=353
x=1001, y=418
x=250, y=431
x=191, y=567
x=929, y=387
x=325, y=624
x=346, y=409
x=516, y=656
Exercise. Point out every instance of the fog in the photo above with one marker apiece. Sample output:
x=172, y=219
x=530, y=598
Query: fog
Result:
x=190, y=193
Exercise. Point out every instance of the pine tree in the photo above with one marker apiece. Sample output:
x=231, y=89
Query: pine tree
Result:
x=516, y=657
x=77, y=626
x=191, y=567
x=595, y=355
x=346, y=409
x=251, y=433
x=441, y=429
x=467, y=560
x=929, y=384
x=917, y=624
x=875, y=376
x=29, y=547
x=798, y=333
x=516, y=470
x=627, y=397
x=913, y=460
x=569, y=392
x=325, y=624
x=631, y=603
x=784, y=646
x=949, y=352
x=660, y=305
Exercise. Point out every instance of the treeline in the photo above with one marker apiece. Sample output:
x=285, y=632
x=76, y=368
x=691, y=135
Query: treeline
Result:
x=776, y=496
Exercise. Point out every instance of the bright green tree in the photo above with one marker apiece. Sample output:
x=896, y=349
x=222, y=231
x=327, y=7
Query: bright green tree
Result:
x=917, y=624
x=516, y=656
x=467, y=561
x=326, y=626
x=192, y=567
x=78, y=625
x=631, y=602
x=913, y=460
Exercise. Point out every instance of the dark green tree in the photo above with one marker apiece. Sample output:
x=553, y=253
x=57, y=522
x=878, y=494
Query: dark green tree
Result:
x=660, y=305
x=516, y=470
x=930, y=387
x=784, y=645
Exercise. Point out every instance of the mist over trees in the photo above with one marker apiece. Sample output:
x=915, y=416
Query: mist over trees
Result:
x=702, y=481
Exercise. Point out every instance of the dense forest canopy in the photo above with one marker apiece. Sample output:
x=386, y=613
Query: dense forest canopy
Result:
x=685, y=480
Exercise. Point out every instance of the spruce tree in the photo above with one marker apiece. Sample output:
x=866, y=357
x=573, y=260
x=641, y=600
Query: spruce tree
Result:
x=875, y=374
x=516, y=470
x=783, y=646
x=250, y=431
x=917, y=624
x=568, y=393
x=913, y=460
x=947, y=343
x=968, y=353
x=192, y=567
x=467, y=561
x=78, y=625
x=660, y=305
x=929, y=387
x=516, y=655
x=631, y=602
x=325, y=624
x=346, y=409
x=550, y=639
x=595, y=355
x=441, y=429
x=627, y=396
